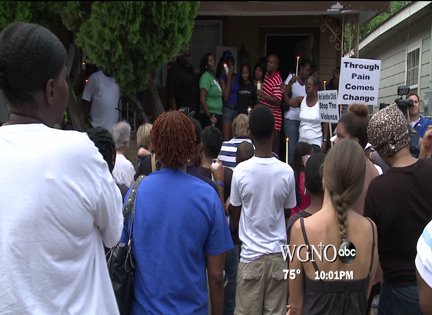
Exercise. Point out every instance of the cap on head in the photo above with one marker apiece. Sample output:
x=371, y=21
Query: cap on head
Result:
x=388, y=131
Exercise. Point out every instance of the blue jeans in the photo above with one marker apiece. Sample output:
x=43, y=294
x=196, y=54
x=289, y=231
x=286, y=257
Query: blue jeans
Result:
x=231, y=264
x=292, y=132
x=398, y=300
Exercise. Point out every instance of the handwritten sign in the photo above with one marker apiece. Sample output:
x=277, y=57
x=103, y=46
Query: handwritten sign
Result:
x=328, y=107
x=359, y=81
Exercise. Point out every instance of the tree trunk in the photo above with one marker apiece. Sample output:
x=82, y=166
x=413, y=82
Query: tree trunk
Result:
x=75, y=112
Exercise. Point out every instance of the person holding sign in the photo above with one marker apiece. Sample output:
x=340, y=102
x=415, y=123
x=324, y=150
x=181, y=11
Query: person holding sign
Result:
x=310, y=130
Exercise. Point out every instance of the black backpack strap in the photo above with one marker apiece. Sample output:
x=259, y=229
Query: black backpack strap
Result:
x=130, y=207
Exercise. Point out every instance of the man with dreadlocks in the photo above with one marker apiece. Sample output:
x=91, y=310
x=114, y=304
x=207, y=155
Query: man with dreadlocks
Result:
x=178, y=232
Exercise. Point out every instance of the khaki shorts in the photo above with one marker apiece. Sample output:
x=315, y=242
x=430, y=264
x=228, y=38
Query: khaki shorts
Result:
x=261, y=288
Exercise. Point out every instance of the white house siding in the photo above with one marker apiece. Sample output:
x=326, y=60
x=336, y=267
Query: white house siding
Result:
x=392, y=47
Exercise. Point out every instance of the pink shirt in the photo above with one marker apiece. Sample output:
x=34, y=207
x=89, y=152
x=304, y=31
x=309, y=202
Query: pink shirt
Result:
x=305, y=199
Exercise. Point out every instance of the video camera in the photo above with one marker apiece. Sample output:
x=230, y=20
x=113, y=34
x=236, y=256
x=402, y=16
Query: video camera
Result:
x=402, y=104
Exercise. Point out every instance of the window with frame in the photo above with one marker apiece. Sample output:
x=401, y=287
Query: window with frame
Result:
x=413, y=67
x=206, y=36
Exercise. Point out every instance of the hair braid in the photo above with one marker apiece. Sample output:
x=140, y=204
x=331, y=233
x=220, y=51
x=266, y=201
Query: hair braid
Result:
x=342, y=208
x=344, y=174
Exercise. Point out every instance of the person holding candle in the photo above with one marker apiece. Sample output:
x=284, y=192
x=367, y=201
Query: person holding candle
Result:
x=259, y=74
x=247, y=93
x=271, y=96
x=293, y=92
x=229, y=81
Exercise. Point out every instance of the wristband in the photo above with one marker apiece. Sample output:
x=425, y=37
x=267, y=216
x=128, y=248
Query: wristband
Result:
x=219, y=183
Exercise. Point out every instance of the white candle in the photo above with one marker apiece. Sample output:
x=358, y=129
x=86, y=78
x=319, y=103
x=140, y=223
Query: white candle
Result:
x=298, y=57
x=325, y=83
x=286, y=152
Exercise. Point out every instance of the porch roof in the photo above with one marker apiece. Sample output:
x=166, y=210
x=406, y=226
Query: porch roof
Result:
x=365, y=9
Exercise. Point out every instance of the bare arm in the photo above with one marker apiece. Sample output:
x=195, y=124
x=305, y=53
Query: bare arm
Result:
x=235, y=217
x=426, y=144
x=203, y=102
x=215, y=267
x=272, y=100
x=226, y=88
x=296, y=288
x=86, y=106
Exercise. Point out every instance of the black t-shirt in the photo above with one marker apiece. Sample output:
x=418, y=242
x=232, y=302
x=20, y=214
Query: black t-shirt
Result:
x=400, y=203
x=246, y=97
x=183, y=86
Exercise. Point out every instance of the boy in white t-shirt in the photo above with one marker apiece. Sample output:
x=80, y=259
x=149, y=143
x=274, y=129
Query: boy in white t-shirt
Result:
x=262, y=192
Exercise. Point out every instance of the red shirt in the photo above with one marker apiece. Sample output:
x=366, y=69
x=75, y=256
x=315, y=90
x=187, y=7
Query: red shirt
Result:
x=271, y=87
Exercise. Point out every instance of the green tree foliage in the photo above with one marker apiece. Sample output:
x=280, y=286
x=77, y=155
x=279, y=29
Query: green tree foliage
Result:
x=367, y=28
x=130, y=39
x=395, y=6
x=41, y=12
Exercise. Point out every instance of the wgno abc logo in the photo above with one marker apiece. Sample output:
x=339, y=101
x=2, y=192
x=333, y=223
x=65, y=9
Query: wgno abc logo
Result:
x=323, y=252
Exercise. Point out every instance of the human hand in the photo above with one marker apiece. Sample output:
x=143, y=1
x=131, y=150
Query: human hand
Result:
x=260, y=94
x=227, y=206
x=426, y=142
x=324, y=146
x=288, y=310
x=297, y=100
x=213, y=120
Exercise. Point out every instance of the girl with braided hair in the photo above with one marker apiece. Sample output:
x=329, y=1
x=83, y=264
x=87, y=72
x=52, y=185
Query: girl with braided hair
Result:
x=320, y=287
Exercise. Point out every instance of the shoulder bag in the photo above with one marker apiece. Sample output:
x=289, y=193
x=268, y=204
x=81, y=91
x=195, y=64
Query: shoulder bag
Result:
x=121, y=263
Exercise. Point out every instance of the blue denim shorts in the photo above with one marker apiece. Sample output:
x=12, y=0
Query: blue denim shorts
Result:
x=228, y=115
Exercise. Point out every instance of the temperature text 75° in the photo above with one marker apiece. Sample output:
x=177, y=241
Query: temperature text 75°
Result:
x=291, y=273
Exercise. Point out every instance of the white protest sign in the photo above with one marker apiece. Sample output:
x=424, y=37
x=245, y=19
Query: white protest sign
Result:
x=328, y=107
x=359, y=81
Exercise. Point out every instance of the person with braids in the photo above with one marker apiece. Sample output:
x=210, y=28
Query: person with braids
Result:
x=343, y=176
x=59, y=202
x=353, y=125
x=178, y=232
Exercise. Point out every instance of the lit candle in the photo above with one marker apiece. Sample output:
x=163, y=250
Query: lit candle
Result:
x=325, y=83
x=298, y=58
x=258, y=85
x=249, y=110
x=286, y=152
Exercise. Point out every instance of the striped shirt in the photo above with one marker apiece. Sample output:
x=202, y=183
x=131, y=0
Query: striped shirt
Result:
x=228, y=152
x=423, y=260
x=271, y=87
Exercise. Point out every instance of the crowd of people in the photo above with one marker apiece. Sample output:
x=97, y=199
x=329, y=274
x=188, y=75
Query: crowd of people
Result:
x=220, y=221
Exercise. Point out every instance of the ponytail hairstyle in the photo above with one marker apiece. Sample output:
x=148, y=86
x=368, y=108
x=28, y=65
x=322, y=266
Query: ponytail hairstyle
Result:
x=344, y=174
x=355, y=122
